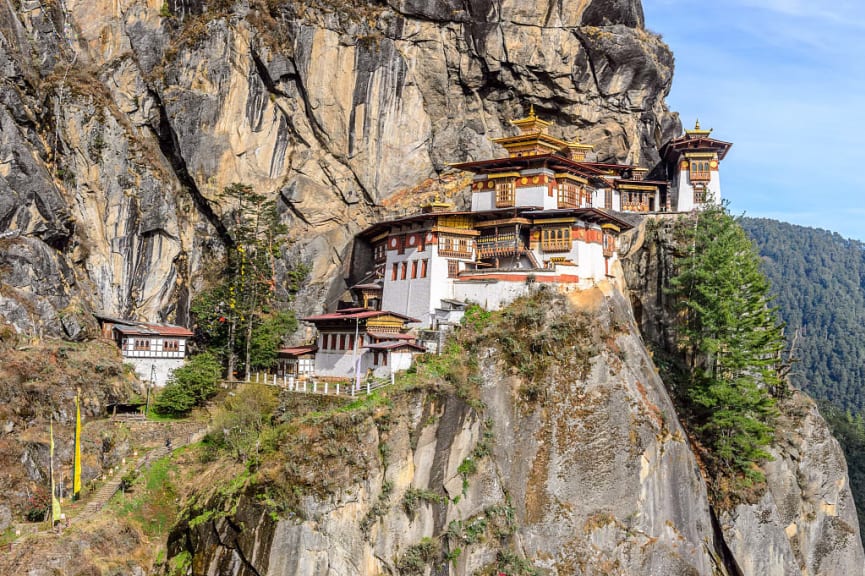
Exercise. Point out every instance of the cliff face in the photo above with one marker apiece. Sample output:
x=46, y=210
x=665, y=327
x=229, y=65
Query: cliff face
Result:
x=122, y=122
x=805, y=521
x=562, y=454
x=584, y=470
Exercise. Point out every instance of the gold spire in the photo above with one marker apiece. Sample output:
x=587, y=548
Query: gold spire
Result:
x=531, y=123
x=697, y=131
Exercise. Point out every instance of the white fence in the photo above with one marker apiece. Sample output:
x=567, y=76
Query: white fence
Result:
x=316, y=386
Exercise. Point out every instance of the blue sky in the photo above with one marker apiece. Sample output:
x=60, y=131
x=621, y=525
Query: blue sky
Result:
x=784, y=80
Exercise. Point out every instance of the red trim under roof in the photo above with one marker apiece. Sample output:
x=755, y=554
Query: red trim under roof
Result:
x=298, y=350
x=145, y=329
x=356, y=314
x=169, y=330
x=394, y=345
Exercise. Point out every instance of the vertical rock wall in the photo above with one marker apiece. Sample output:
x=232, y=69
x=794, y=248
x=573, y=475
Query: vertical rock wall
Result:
x=122, y=122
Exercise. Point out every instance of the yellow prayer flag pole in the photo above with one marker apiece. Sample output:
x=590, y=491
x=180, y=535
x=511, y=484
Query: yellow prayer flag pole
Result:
x=76, y=461
x=55, y=503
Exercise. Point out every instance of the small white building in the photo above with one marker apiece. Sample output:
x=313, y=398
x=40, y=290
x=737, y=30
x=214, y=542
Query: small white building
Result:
x=154, y=350
x=693, y=162
x=353, y=343
x=296, y=362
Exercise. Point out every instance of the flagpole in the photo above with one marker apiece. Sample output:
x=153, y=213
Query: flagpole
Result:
x=76, y=461
x=55, y=504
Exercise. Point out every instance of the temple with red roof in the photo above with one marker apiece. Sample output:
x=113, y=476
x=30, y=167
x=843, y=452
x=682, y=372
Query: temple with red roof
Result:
x=546, y=214
x=154, y=350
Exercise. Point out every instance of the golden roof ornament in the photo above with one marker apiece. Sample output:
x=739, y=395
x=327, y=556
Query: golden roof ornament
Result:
x=531, y=123
x=697, y=131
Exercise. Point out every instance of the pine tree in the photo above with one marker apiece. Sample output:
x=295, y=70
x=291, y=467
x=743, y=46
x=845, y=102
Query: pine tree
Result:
x=731, y=340
x=241, y=311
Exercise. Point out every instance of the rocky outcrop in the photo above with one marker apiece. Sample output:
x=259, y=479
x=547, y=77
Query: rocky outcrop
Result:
x=804, y=522
x=587, y=473
x=122, y=122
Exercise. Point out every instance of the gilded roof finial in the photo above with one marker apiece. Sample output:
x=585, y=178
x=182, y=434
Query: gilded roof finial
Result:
x=697, y=125
x=532, y=111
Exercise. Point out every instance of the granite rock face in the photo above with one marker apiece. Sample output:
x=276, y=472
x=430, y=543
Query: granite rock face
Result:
x=805, y=521
x=122, y=122
x=592, y=476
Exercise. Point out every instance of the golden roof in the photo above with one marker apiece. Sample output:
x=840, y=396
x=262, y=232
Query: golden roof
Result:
x=531, y=123
x=697, y=131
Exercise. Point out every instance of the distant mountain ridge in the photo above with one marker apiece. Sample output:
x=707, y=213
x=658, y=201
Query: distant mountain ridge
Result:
x=819, y=279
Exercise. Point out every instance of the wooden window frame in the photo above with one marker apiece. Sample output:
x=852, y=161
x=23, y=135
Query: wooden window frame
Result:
x=556, y=239
x=394, y=271
x=141, y=344
x=424, y=268
x=171, y=345
x=453, y=268
x=506, y=191
x=403, y=271
x=413, y=269
x=569, y=194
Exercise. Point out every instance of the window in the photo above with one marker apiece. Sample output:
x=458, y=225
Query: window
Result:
x=609, y=243
x=342, y=341
x=700, y=171
x=453, y=268
x=568, y=194
x=379, y=252
x=142, y=344
x=351, y=341
x=171, y=345
x=423, y=268
x=393, y=272
x=324, y=339
x=608, y=198
x=400, y=244
x=505, y=192
x=414, y=269
x=453, y=247
x=556, y=239
x=699, y=194
x=403, y=271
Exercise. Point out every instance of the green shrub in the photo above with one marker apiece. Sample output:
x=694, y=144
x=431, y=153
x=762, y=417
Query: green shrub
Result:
x=190, y=385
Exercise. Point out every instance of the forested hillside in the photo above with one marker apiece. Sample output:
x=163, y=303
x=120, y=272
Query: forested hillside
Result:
x=819, y=280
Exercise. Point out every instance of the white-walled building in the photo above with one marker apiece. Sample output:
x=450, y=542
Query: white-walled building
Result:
x=154, y=350
x=693, y=162
x=353, y=343
x=543, y=214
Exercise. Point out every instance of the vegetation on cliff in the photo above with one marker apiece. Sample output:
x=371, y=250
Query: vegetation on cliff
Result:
x=243, y=316
x=818, y=279
x=731, y=341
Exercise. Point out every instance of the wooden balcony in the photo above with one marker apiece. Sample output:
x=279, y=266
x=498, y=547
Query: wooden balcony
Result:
x=556, y=246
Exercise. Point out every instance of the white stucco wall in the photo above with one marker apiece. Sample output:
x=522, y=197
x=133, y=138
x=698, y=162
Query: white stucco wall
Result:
x=161, y=368
x=128, y=350
x=534, y=196
x=682, y=193
x=483, y=200
x=490, y=295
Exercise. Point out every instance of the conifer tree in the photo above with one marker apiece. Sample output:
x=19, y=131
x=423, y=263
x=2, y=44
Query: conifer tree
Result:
x=731, y=340
x=243, y=300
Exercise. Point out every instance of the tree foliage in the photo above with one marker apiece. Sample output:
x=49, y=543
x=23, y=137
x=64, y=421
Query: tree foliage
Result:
x=731, y=342
x=244, y=314
x=190, y=385
x=818, y=279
